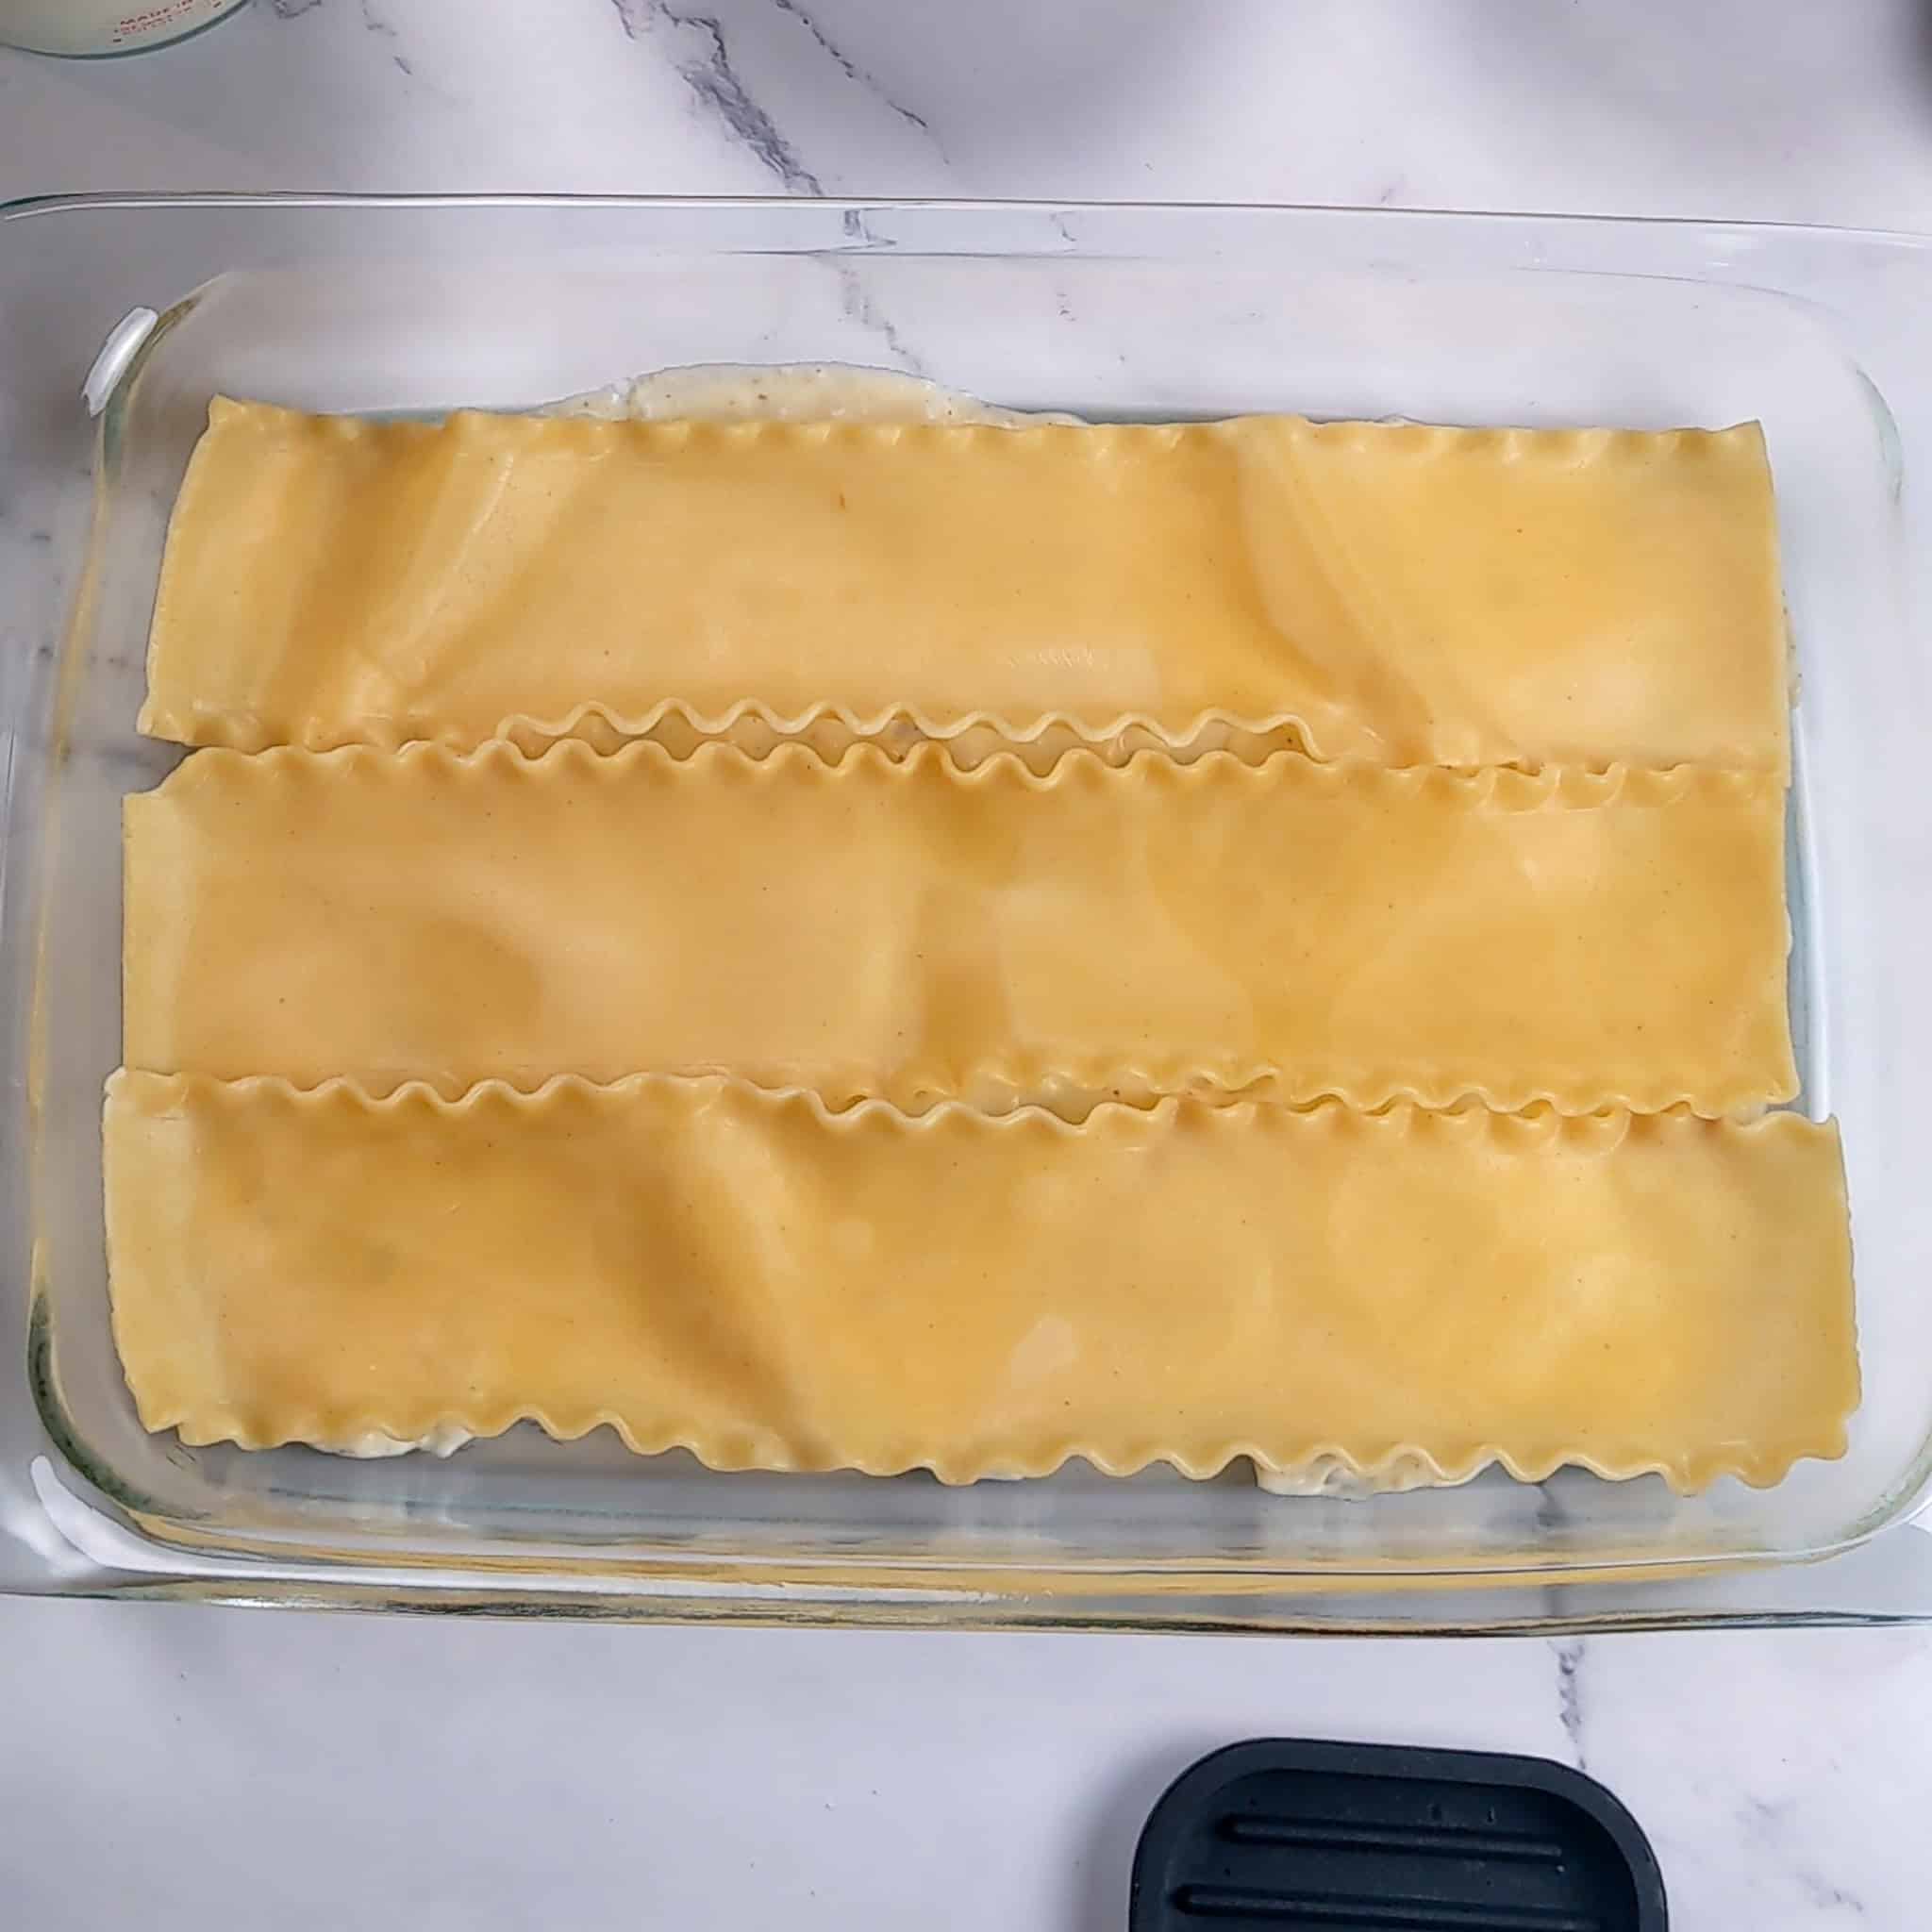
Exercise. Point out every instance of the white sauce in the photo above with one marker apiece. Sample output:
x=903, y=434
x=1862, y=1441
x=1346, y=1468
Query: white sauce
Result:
x=373, y=1445
x=787, y=392
x=1328, y=1478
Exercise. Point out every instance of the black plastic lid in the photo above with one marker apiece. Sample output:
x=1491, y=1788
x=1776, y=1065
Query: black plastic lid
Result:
x=1378, y=1837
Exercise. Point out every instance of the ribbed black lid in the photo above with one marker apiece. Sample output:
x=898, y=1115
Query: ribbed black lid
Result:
x=1368, y=1838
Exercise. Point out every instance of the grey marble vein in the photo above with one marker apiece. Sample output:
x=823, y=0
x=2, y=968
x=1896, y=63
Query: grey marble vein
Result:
x=1062, y=301
x=1770, y=1825
x=856, y=296
x=289, y=10
x=860, y=307
x=1823, y=1896
x=1570, y=1655
x=852, y=70
x=716, y=83
x=374, y=24
x=711, y=77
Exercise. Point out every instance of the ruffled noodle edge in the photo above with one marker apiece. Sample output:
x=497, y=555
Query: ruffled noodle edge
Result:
x=970, y=739
x=1500, y=788
x=1404, y=1466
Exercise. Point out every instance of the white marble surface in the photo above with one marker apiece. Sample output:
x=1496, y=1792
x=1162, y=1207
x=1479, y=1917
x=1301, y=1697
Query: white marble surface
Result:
x=1731, y=108
x=191, y=1767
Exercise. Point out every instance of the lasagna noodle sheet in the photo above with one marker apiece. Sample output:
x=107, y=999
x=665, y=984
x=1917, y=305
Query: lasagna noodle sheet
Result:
x=1401, y=592
x=909, y=931
x=772, y=1286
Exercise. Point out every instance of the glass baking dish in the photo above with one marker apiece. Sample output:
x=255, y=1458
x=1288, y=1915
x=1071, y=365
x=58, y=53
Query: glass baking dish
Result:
x=1112, y=312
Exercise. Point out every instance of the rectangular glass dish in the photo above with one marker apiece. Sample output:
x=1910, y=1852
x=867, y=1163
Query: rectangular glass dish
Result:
x=1113, y=312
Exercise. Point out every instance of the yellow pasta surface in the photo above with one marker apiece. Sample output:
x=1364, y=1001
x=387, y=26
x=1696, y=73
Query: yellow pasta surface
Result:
x=704, y=1264
x=1395, y=591
x=909, y=931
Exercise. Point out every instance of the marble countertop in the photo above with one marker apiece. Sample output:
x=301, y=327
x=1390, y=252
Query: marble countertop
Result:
x=1729, y=110
x=195, y=1766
